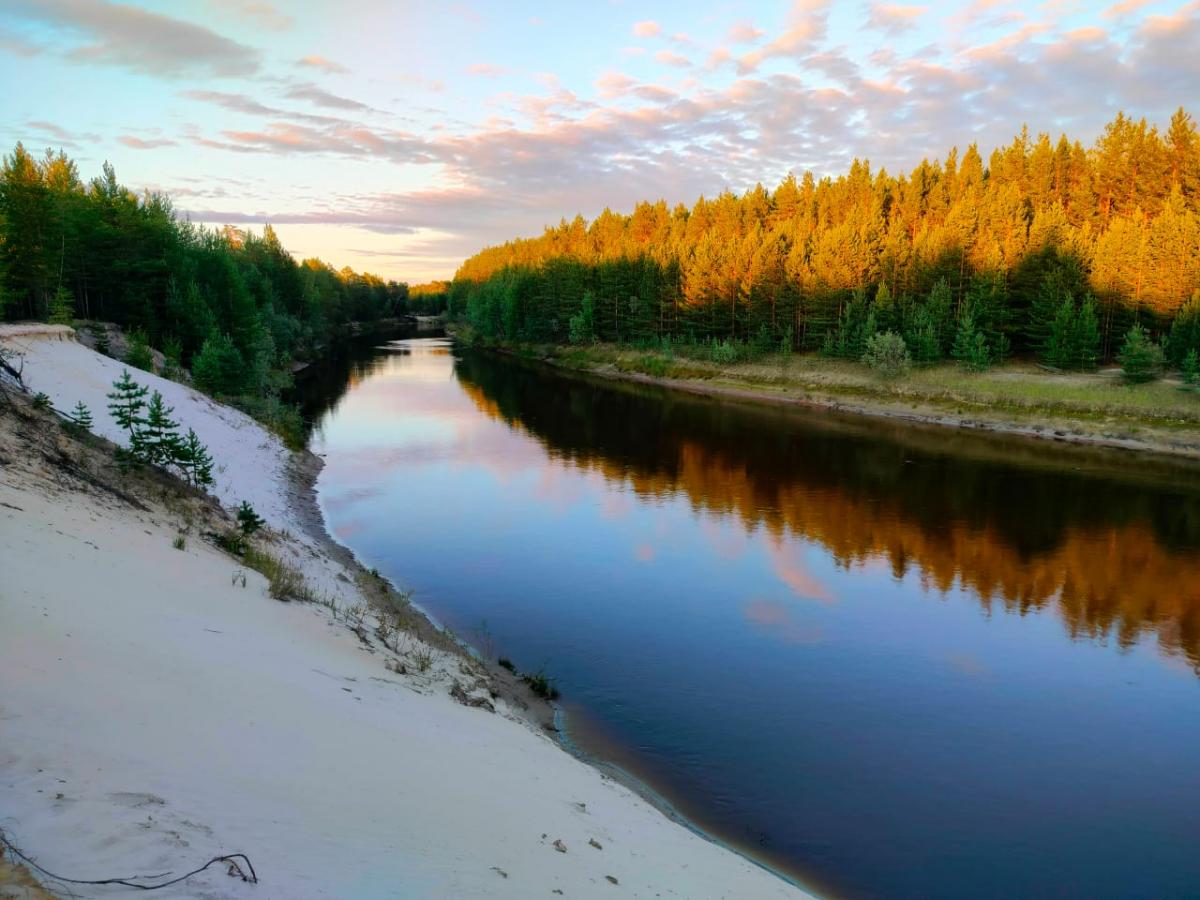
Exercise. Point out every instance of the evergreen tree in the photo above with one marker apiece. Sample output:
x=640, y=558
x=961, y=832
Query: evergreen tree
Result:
x=81, y=417
x=248, y=520
x=62, y=307
x=138, y=354
x=126, y=404
x=1141, y=359
x=160, y=436
x=970, y=343
x=193, y=461
x=1190, y=367
x=219, y=367
x=1185, y=331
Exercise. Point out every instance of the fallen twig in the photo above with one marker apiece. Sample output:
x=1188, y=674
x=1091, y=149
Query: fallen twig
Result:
x=135, y=881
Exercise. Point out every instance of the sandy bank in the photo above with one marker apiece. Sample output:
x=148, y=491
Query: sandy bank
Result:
x=157, y=708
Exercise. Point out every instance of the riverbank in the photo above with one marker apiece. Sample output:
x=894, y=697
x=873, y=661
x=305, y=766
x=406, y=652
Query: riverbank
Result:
x=1095, y=409
x=347, y=746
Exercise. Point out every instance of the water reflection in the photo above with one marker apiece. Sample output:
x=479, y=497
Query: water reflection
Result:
x=1117, y=562
x=892, y=661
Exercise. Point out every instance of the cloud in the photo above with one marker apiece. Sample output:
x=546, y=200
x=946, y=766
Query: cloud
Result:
x=743, y=32
x=17, y=47
x=807, y=22
x=892, y=19
x=320, y=62
x=137, y=143
x=263, y=15
x=60, y=135
x=235, y=102
x=488, y=70
x=648, y=28
x=1124, y=8
x=138, y=39
x=321, y=97
x=668, y=58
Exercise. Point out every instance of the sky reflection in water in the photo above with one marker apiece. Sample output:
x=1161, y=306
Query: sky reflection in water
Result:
x=894, y=662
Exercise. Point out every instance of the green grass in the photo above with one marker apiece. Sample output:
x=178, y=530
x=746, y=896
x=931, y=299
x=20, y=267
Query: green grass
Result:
x=284, y=582
x=1018, y=389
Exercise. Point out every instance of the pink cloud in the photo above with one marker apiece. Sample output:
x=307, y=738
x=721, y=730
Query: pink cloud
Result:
x=744, y=33
x=320, y=62
x=648, y=28
x=668, y=58
x=806, y=26
x=894, y=19
x=137, y=143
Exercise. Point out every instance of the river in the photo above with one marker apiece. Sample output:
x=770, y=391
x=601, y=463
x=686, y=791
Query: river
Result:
x=887, y=661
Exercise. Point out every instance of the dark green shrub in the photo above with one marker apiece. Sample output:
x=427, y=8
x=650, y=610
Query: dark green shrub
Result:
x=1141, y=359
x=1191, y=367
x=219, y=367
x=248, y=520
x=139, y=354
x=887, y=355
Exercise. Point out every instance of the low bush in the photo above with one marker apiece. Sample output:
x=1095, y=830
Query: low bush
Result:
x=887, y=354
x=541, y=685
x=1141, y=359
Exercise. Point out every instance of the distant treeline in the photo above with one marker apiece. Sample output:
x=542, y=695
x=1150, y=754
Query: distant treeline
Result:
x=1048, y=249
x=97, y=250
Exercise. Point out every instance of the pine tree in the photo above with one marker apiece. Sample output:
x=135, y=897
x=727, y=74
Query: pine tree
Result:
x=1085, y=336
x=62, y=307
x=1141, y=359
x=248, y=520
x=161, y=438
x=81, y=417
x=970, y=344
x=127, y=402
x=139, y=354
x=1185, y=331
x=193, y=461
x=219, y=367
x=1191, y=367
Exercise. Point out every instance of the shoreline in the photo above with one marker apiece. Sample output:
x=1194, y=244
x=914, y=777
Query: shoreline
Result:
x=240, y=715
x=547, y=715
x=303, y=470
x=1034, y=426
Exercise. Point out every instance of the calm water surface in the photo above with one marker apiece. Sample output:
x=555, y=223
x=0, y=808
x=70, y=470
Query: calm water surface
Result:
x=889, y=662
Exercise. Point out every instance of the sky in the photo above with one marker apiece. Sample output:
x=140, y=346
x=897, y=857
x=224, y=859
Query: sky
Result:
x=401, y=137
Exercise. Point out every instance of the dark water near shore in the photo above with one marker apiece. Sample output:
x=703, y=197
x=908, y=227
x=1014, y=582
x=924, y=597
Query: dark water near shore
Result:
x=892, y=662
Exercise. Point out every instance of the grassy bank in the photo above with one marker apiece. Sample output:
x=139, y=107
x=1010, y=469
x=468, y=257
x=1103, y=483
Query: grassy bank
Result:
x=1021, y=398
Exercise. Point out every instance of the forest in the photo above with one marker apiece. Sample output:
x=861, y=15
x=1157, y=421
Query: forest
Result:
x=1049, y=250
x=234, y=306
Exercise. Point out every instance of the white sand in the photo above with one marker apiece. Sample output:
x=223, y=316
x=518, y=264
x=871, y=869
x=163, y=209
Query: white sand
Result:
x=153, y=714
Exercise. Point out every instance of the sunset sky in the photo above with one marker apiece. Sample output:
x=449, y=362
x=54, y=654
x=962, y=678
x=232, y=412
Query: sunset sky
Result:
x=400, y=137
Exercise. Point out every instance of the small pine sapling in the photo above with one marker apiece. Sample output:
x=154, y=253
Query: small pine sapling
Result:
x=80, y=418
x=161, y=438
x=126, y=404
x=193, y=461
x=1191, y=367
x=248, y=520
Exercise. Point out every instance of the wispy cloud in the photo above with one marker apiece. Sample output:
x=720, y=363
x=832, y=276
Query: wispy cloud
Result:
x=140, y=40
x=320, y=62
x=893, y=19
x=321, y=97
x=648, y=28
x=137, y=143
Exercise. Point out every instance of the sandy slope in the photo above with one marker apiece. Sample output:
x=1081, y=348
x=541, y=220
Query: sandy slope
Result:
x=154, y=713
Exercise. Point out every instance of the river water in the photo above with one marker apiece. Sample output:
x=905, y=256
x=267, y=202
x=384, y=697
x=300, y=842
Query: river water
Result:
x=887, y=661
